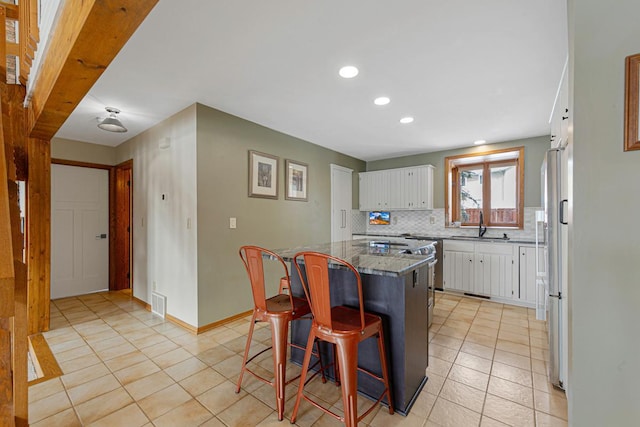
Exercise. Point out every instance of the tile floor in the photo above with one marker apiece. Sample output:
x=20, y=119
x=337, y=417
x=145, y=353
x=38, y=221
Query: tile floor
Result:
x=124, y=367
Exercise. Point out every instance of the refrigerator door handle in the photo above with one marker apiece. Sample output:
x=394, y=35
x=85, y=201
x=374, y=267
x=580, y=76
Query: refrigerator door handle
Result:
x=562, y=211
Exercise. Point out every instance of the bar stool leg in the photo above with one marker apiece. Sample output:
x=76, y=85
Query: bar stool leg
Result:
x=348, y=361
x=303, y=374
x=246, y=351
x=279, y=330
x=385, y=374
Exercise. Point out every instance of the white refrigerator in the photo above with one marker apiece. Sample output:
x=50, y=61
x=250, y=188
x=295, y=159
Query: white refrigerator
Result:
x=551, y=238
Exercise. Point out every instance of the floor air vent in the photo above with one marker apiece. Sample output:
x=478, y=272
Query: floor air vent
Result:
x=158, y=304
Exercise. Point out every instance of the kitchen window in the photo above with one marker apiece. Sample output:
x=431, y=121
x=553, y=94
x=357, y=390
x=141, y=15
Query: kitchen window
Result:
x=491, y=183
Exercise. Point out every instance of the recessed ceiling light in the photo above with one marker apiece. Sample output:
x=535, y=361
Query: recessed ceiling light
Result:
x=480, y=142
x=406, y=120
x=382, y=100
x=348, y=71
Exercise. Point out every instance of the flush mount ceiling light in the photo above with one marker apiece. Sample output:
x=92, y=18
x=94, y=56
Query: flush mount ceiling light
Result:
x=382, y=100
x=479, y=142
x=111, y=123
x=406, y=120
x=348, y=72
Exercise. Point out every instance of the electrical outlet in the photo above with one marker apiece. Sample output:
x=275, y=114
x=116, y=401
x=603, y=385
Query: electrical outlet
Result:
x=232, y=222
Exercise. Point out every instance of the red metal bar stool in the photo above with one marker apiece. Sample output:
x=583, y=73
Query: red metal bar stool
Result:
x=278, y=310
x=342, y=326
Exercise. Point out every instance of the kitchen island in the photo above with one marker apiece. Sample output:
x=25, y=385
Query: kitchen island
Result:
x=396, y=275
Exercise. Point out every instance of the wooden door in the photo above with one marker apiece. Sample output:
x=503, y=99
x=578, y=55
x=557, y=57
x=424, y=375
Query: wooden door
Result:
x=123, y=215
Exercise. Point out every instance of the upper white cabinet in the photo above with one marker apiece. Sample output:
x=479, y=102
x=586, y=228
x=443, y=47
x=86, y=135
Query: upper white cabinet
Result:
x=395, y=189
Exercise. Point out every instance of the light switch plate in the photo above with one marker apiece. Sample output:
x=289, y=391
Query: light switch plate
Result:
x=232, y=223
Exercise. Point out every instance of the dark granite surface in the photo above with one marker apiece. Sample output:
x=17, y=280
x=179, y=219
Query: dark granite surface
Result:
x=378, y=256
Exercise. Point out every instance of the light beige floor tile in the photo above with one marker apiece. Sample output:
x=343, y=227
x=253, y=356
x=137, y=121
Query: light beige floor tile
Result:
x=449, y=342
x=171, y=358
x=247, y=412
x=540, y=354
x=487, y=323
x=438, y=367
x=149, y=340
x=551, y=404
x=423, y=404
x=463, y=395
x=470, y=377
x=449, y=414
x=511, y=347
x=511, y=391
x=458, y=324
x=163, y=401
x=108, y=343
x=230, y=367
x=186, y=368
x=539, y=367
x=453, y=332
x=508, y=412
x=202, y=381
x=137, y=371
x=512, y=359
x=67, y=345
x=66, y=418
x=79, y=363
x=45, y=389
x=434, y=384
x=514, y=337
x=493, y=316
x=478, y=350
x=220, y=397
x=481, y=339
x=93, y=388
x=484, y=330
x=101, y=406
x=48, y=406
x=490, y=422
x=158, y=349
x=516, y=321
x=126, y=360
x=511, y=373
x=383, y=419
x=148, y=385
x=443, y=353
x=541, y=343
x=191, y=413
x=74, y=353
x=473, y=362
x=546, y=420
x=119, y=350
x=130, y=416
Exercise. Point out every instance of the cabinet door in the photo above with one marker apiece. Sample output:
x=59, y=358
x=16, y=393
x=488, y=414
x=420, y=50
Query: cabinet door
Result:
x=364, y=189
x=494, y=269
x=395, y=179
x=527, y=288
x=458, y=271
x=424, y=191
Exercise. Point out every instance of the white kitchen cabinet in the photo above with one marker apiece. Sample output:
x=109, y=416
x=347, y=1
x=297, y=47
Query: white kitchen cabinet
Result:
x=486, y=269
x=397, y=189
x=494, y=270
x=528, y=273
x=458, y=266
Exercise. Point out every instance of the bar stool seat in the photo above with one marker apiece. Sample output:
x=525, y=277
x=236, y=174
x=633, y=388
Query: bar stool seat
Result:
x=343, y=326
x=279, y=311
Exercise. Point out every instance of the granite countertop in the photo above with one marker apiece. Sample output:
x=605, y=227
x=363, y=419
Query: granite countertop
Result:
x=485, y=239
x=370, y=255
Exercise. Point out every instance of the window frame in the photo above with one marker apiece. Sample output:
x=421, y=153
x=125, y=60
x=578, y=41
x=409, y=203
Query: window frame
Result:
x=486, y=159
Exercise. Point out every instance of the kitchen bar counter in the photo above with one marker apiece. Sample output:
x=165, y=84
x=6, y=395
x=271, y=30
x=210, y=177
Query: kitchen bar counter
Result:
x=395, y=287
x=378, y=256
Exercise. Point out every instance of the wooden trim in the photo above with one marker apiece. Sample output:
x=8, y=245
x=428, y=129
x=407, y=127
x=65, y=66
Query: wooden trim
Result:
x=213, y=325
x=631, y=98
x=20, y=346
x=89, y=34
x=64, y=162
x=41, y=355
x=181, y=323
x=13, y=12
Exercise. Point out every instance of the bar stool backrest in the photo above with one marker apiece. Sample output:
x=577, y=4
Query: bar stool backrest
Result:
x=252, y=258
x=317, y=286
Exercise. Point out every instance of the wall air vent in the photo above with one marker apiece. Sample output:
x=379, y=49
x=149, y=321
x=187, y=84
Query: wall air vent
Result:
x=158, y=304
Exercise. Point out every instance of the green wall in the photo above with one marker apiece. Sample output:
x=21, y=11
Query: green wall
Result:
x=78, y=151
x=534, y=150
x=223, y=142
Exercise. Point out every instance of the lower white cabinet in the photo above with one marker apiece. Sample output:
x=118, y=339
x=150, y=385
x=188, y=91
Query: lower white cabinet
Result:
x=486, y=269
x=528, y=273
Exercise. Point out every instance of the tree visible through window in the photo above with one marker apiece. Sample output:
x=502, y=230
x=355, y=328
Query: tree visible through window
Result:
x=491, y=183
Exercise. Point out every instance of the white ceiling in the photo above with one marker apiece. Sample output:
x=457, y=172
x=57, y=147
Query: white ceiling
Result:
x=465, y=69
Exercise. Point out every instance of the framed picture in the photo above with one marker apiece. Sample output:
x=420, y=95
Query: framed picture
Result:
x=263, y=175
x=631, y=99
x=297, y=180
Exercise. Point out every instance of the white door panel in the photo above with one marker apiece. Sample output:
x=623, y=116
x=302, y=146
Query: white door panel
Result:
x=79, y=230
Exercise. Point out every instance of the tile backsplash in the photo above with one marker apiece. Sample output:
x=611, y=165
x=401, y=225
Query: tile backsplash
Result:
x=431, y=223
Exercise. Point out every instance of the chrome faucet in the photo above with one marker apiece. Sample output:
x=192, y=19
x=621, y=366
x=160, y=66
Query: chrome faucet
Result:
x=481, y=228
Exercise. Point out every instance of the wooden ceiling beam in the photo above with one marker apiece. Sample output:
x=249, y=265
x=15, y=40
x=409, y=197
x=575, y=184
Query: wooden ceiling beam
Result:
x=89, y=34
